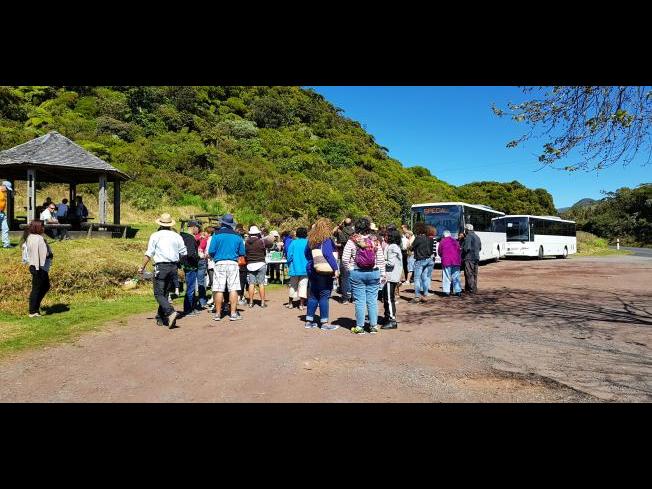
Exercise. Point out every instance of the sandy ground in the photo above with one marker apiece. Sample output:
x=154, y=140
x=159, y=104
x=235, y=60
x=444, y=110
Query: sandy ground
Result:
x=576, y=330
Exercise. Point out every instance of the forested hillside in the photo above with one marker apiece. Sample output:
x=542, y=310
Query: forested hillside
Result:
x=274, y=154
x=625, y=214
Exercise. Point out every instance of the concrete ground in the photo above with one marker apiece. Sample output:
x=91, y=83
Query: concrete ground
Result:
x=575, y=330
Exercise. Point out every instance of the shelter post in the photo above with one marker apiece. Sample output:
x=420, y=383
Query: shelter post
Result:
x=72, y=194
x=102, y=199
x=31, y=194
x=116, y=202
x=10, y=205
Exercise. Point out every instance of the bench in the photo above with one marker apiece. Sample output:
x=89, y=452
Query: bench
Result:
x=98, y=226
x=50, y=226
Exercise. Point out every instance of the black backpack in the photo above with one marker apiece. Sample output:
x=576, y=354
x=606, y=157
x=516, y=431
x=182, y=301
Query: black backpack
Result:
x=192, y=256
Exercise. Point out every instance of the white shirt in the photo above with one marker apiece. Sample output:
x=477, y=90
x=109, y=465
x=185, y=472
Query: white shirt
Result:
x=165, y=247
x=46, y=215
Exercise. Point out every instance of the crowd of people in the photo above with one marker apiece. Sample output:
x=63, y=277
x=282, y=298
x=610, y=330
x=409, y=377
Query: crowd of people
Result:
x=365, y=264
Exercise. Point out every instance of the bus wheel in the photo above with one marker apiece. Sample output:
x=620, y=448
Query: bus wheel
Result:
x=540, y=252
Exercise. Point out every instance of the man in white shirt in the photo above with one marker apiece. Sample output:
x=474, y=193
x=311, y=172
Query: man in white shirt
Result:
x=166, y=249
x=48, y=216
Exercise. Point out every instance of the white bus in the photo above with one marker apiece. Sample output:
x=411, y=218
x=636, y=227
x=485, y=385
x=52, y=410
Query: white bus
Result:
x=537, y=235
x=452, y=216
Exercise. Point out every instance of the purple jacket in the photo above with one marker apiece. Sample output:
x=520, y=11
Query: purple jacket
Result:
x=450, y=252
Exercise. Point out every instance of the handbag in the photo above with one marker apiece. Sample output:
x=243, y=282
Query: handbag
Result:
x=320, y=264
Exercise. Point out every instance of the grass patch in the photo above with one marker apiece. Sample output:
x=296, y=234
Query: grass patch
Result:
x=590, y=245
x=66, y=321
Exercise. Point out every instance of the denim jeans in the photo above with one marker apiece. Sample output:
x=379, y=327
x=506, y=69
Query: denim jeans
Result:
x=345, y=280
x=320, y=290
x=365, y=295
x=448, y=275
x=423, y=276
x=189, y=298
x=4, y=230
x=201, y=280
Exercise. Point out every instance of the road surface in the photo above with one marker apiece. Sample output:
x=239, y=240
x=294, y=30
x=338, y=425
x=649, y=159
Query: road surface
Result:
x=575, y=330
x=647, y=252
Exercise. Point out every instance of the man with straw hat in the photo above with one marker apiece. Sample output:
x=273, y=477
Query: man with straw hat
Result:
x=5, y=188
x=166, y=249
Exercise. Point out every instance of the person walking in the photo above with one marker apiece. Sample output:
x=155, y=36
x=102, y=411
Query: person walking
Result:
x=297, y=263
x=321, y=269
x=256, y=248
x=226, y=247
x=5, y=190
x=364, y=258
x=451, y=259
x=39, y=256
x=166, y=249
x=423, y=263
x=471, y=256
x=394, y=268
x=190, y=266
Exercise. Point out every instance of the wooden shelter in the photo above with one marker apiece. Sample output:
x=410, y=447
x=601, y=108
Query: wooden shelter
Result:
x=54, y=158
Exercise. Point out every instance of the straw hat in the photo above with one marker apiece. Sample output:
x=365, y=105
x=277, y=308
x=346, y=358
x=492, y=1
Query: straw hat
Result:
x=165, y=220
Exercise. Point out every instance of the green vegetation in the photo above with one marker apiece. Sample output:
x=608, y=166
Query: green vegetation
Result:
x=625, y=214
x=510, y=198
x=590, y=245
x=274, y=155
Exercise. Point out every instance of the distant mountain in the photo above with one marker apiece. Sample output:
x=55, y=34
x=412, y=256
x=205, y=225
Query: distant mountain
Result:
x=579, y=203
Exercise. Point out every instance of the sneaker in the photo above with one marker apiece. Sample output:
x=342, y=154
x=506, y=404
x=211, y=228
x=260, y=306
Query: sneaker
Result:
x=242, y=301
x=36, y=314
x=237, y=317
x=357, y=330
x=391, y=324
x=251, y=306
x=217, y=317
x=310, y=325
x=329, y=327
x=262, y=304
x=172, y=320
x=373, y=329
x=159, y=321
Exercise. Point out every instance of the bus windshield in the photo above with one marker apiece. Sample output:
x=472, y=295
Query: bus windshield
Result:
x=444, y=217
x=517, y=229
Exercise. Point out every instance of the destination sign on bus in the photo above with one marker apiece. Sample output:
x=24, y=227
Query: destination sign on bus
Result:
x=436, y=210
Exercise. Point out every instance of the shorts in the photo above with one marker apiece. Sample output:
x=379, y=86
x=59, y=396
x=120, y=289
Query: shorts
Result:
x=226, y=276
x=410, y=263
x=257, y=277
x=299, y=287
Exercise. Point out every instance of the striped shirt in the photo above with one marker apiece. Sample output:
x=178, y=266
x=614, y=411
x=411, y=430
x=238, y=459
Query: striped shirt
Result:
x=348, y=255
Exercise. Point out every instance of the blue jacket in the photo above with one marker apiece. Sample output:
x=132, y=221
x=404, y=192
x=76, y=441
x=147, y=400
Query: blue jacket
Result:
x=226, y=244
x=297, y=257
x=327, y=248
x=287, y=241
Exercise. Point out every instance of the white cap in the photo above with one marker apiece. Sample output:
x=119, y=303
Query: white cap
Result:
x=254, y=230
x=469, y=227
x=8, y=185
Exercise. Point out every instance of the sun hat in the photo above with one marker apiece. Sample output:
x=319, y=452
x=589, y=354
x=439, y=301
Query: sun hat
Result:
x=254, y=230
x=8, y=185
x=227, y=220
x=165, y=220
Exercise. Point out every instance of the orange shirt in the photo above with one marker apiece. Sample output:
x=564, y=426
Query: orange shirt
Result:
x=3, y=201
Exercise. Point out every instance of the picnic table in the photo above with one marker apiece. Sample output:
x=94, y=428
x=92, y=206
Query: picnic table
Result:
x=97, y=226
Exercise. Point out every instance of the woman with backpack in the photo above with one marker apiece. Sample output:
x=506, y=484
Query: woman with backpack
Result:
x=321, y=269
x=256, y=248
x=364, y=258
x=37, y=253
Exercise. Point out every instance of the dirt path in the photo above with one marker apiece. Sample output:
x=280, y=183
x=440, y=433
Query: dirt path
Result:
x=551, y=330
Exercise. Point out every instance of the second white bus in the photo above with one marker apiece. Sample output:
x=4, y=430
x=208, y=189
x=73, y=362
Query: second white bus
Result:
x=537, y=235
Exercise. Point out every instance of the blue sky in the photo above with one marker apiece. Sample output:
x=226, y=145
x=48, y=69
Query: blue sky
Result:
x=453, y=132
